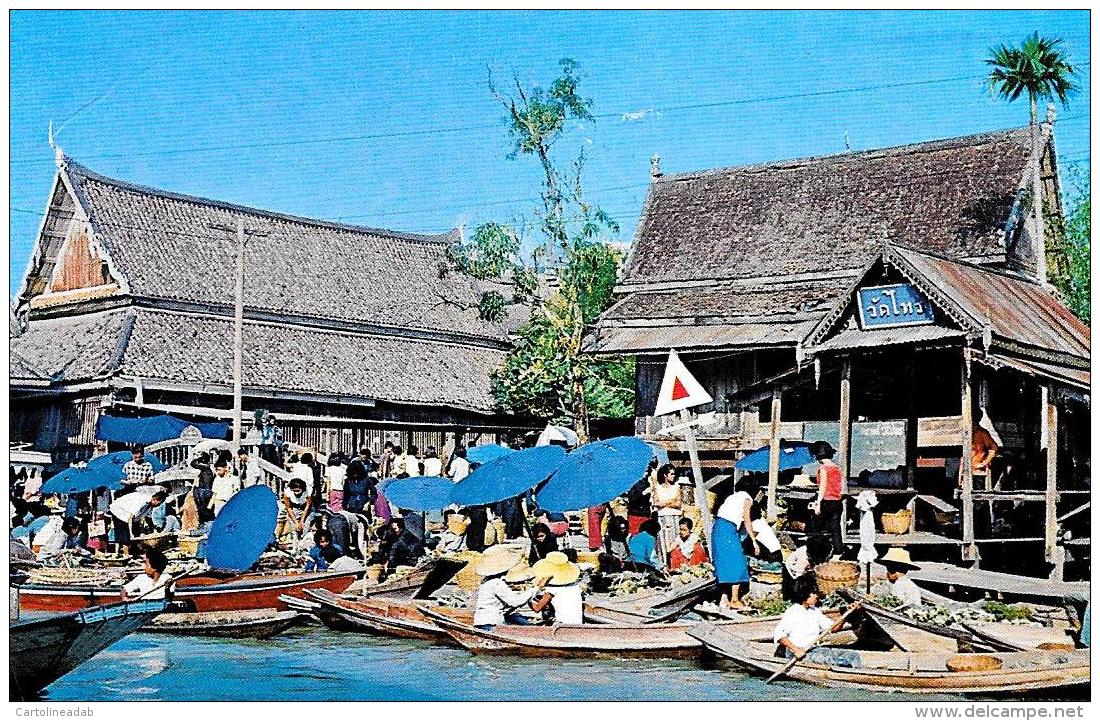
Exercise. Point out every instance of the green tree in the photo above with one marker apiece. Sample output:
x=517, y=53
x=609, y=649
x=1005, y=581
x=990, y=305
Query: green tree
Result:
x=547, y=374
x=1040, y=69
x=1074, y=238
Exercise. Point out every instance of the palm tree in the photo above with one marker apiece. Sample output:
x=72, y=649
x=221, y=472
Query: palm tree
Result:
x=1040, y=69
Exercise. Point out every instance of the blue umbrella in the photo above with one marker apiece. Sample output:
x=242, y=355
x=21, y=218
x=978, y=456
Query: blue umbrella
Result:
x=792, y=454
x=659, y=453
x=508, y=476
x=38, y=524
x=487, y=453
x=242, y=530
x=419, y=493
x=81, y=479
x=596, y=473
x=112, y=463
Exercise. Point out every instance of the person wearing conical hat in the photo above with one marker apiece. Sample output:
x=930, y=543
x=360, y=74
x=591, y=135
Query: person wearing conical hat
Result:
x=496, y=601
x=563, y=593
x=898, y=564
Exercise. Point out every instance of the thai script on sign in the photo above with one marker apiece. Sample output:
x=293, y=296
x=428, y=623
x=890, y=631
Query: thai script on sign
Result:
x=886, y=306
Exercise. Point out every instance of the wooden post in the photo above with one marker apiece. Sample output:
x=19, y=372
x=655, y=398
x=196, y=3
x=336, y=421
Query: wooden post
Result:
x=1050, y=425
x=238, y=335
x=845, y=438
x=773, y=456
x=966, y=470
x=697, y=471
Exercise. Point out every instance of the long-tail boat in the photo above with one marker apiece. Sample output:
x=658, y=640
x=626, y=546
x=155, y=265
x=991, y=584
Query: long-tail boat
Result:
x=402, y=619
x=44, y=647
x=908, y=672
x=263, y=623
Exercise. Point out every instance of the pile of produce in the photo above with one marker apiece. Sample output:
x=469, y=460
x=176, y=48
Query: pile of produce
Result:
x=988, y=612
x=629, y=582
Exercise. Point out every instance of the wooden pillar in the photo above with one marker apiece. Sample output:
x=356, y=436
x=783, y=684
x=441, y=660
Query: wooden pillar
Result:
x=966, y=469
x=773, y=456
x=844, y=440
x=700, y=488
x=1050, y=435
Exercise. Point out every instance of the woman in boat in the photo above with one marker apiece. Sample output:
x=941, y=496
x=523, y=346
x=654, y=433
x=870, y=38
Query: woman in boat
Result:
x=828, y=507
x=475, y=532
x=803, y=623
x=543, y=542
x=453, y=537
x=563, y=601
x=73, y=540
x=688, y=550
x=496, y=602
x=616, y=551
x=665, y=497
x=154, y=583
x=406, y=550
x=638, y=507
x=643, y=546
x=321, y=540
x=732, y=525
x=898, y=563
x=802, y=561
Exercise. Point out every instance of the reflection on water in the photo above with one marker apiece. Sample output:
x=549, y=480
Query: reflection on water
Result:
x=312, y=663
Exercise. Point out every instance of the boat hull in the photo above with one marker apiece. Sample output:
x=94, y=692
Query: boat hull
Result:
x=379, y=617
x=202, y=593
x=583, y=641
x=225, y=625
x=43, y=650
x=908, y=672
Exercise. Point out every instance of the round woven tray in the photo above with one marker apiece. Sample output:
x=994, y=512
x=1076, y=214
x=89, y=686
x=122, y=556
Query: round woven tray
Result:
x=836, y=574
x=973, y=662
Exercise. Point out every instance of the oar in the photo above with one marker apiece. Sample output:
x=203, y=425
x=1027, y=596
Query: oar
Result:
x=799, y=657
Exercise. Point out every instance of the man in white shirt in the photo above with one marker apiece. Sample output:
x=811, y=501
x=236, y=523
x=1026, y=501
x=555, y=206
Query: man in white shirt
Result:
x=303, y=469
x=432, y=465
x=225, y=486
x=460, y=467
x=130, y=509
x=898, y=563
x=248, y=469
x=154, y=583
x=412, y=462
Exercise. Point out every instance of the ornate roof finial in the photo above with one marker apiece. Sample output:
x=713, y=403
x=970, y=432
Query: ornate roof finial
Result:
x=655, y=166
x=58, y=153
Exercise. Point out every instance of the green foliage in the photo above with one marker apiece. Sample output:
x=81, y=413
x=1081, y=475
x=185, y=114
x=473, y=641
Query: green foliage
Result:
x=538, y=116
x=1038, y=68
x=1005, y=612
x=492, y=252
x=492, y=306
x=1071, y=241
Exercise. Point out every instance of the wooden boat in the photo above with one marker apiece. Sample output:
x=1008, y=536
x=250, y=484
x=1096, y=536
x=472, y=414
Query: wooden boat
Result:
x=262, y=623
x=402, y=619
x=203, y=593
x=655, y=606
x=1019, y=638
x=906, y=672
x=912, y=635
x=583, y=641
x=420, y=583
x=44, y=647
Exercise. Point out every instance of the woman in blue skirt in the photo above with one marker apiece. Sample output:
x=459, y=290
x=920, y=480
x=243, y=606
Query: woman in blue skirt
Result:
x=731, y=526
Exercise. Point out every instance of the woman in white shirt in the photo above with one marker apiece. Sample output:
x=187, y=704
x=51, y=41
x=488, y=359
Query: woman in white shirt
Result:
x=154, y=583
x=803, y=623
x=432, y=465
x=665, y=499
x=335, y=473
x=732, y=525
x=496, y=601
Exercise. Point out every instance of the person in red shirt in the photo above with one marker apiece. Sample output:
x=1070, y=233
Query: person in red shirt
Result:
x=688, y=550
x=829, y=504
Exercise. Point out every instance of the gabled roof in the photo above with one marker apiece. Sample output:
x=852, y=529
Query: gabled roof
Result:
x=186, y=349
x=952, y=197
x=162, y=245
x=1010, y=312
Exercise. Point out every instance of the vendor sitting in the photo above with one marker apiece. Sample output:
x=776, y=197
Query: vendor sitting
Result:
x=497, y=603
x=898, y=563
x=154, y=583
x=321, y=540
x=803, y=624
x=688, y=551
x=563, y=601
x=643, y=546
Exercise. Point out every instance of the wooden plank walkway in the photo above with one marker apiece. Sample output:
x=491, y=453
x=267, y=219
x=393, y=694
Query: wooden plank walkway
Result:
x=944, y=573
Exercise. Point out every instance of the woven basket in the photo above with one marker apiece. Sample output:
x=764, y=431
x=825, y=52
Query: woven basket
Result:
x=1051, y=646
x=973, y=662
x=467, y=579
x=896, y=523
x=836, y=574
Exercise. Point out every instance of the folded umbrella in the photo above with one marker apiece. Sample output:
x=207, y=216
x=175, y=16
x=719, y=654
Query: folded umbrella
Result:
x=508, y=476
x=596, y=473
x=419, y=493
x=486, y=453
x=83, y=478
x=792, y=454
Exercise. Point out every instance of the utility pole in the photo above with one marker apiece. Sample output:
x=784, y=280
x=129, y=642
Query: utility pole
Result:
x=238, y=324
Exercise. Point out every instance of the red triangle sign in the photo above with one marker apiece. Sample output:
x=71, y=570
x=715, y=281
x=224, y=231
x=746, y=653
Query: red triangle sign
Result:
x=678, y=390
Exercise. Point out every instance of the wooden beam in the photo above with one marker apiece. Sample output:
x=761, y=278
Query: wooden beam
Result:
x=966, y=469
x=1050, y=425
x=845, y=439
x=700, y=489
x=773, y=455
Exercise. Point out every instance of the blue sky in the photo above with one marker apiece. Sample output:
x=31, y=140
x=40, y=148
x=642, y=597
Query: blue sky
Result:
x=385, y=118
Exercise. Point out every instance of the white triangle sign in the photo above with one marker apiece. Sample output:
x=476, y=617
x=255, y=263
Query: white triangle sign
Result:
x=679, y=389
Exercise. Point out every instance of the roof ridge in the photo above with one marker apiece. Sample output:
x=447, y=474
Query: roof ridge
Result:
x=892, y=150
x=75, y=167
x=969, y=264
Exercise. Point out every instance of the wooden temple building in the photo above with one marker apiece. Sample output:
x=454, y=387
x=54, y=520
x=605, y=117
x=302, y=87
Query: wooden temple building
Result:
x=351, y=335
x=887, y=301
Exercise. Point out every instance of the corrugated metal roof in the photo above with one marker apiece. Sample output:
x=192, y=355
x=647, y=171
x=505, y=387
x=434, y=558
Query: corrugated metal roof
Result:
x=1016, y=309
x=643, y=339
x=1073, y=376
x=848, y=338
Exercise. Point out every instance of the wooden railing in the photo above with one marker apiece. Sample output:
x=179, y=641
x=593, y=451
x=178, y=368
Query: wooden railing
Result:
x=176, y=453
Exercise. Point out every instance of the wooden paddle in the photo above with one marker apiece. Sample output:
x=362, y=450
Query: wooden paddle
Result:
x=799, y=657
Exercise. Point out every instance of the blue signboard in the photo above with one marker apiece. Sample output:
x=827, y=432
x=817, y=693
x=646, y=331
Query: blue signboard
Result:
x=889, y=306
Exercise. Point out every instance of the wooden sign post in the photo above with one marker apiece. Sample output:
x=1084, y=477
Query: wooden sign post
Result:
x=679, y=392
